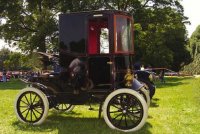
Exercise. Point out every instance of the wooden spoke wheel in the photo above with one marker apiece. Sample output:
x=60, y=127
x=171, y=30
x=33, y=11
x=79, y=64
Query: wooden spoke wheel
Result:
x=62, y=107
x=31, y=106
x=125, y=110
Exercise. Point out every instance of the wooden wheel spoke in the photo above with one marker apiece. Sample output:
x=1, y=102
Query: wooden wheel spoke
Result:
x=27, y=113
x=121, y=99
x=116, y=106
x=24, y=106
x=125, y=120
x=135, y=111
x=30, y=98
x=34, y=98
x=34, y=114
x=67, y=106
x=62, y=106
x=120, y=120
x=37, y=111
x=24, y=111
x=132, y=114
x=27, y=100
x=116, y=111
x=38, y=104
x=117, y=116
x=133, y=121
x=24, y=102
x=31, y=112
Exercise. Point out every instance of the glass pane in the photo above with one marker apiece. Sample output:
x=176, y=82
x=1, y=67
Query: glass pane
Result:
x=124, y=38
x=98, y=36
x=104, y=40
x=72, y=33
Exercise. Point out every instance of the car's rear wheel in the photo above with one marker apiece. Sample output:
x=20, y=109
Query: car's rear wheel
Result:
x=62, y=107
x=31, y=106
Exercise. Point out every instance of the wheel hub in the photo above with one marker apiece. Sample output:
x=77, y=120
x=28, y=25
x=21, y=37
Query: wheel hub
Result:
x=124, y=111
x=31, y=107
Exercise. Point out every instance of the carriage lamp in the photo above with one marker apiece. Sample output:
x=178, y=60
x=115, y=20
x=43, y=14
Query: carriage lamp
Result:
x=128, y=78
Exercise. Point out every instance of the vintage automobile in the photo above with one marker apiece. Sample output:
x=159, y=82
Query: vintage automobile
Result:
x=95, y=51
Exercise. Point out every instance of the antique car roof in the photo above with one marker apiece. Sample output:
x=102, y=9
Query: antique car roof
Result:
x=101, y=12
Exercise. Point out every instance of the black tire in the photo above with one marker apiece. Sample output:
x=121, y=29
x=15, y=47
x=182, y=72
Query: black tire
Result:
x=125, y=110
x=145, y=93
x=150, y=86
x=31, y=106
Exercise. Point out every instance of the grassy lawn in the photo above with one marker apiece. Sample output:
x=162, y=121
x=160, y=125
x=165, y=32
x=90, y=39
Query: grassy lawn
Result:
x=174, y=109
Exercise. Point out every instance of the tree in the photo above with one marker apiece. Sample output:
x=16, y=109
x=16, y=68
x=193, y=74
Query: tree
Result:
x=17, y=61
x=4, y=54
x=30, y=24
x=194, y=43
x=13, y=62
x=162, y=34
x=194, y=48
x=33, y=62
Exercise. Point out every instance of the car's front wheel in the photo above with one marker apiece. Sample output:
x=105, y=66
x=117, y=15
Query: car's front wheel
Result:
x=125, y=110
x=31, y=106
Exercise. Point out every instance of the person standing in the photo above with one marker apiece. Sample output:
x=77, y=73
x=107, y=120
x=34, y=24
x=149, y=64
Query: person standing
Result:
x=162, y=75
x=142, y=67
x=4, y=79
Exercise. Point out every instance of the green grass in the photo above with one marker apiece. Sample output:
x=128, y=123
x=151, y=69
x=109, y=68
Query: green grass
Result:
x=175, y=108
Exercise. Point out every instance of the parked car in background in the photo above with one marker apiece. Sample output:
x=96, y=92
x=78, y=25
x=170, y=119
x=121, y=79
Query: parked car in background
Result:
x=171, y=73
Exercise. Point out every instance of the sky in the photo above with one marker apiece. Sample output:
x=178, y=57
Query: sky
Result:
x=191, y=10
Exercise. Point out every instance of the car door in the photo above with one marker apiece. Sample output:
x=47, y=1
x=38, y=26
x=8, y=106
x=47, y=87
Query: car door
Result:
x=99, y=59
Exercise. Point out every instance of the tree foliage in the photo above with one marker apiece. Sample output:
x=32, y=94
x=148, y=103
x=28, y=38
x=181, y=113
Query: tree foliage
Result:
x=16, y=61
x=4, y=54
x=13, y=62
x=30, y=24
x=162, y=37
x=194, y=48
x=33, y=62
x=194, y=43
x=160, y=33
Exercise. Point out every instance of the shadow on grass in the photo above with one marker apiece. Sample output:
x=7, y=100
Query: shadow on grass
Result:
x=74, y=125
x=71, y=113
x=154, y=102
x=172, y=81
x=14, y=84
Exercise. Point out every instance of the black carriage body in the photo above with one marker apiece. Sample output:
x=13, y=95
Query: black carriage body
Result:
x=95, y=60
x=103, y=40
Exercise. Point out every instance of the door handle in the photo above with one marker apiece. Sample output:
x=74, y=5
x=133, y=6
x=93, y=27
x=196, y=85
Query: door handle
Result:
x=110, y=62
